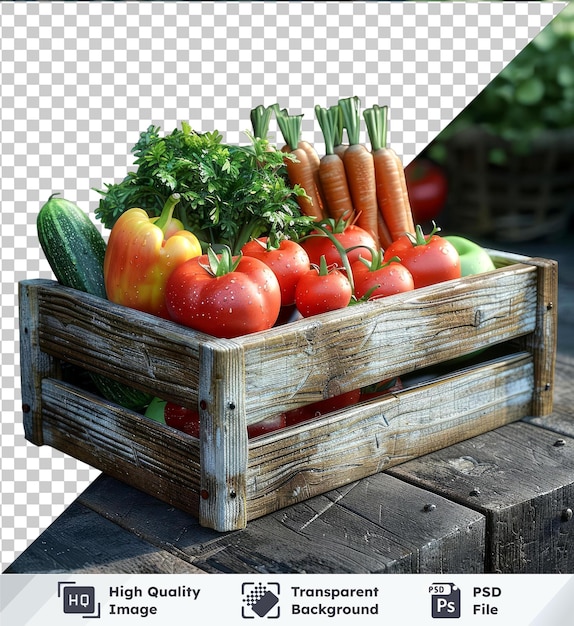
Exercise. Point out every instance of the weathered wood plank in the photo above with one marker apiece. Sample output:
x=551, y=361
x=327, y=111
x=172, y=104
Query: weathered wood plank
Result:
x=314, y=457
x=171, y=530
x=155, y=355
x=343, y=350
x=223, y=433
x=522, y=481
x=34, y=364
x=122, y=443
x=377, y=525
x=561, y=420
x=81, y=541
x=230, y=487
x=542, y=342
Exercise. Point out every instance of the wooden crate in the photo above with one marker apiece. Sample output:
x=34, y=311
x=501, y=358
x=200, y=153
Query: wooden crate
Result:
x=227, y=479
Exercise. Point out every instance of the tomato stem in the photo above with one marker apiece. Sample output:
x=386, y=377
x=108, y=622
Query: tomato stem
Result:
x=323, y=267
x=420, y=239
x=377, y=259
x=342, y=252
x=223, y=264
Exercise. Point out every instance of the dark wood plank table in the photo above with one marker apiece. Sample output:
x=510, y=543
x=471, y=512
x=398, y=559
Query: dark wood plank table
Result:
x=500, y=502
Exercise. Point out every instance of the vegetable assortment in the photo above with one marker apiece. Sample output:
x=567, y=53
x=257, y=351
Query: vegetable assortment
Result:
x=230, y=240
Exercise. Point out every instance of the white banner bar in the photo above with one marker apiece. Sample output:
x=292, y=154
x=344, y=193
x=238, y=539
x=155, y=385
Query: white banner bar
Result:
x=69, y=600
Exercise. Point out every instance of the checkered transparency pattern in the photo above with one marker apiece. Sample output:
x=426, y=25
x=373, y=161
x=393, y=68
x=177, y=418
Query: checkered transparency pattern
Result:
x=80, y=81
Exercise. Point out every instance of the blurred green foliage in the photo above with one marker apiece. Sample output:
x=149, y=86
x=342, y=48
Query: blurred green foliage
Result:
x=533, y=93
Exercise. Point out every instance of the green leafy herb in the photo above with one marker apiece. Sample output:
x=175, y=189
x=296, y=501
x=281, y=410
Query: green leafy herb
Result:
x=229, y=193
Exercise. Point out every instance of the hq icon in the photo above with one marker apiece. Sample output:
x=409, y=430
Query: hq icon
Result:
x=445, y=600
x=78, y=599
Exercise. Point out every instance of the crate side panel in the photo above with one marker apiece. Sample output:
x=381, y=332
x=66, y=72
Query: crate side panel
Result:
x=338, y=352
x=130, y=447
x=34, y=364
x=154, y=355
x=223, y=437
x=371, y=437
x=543, y=341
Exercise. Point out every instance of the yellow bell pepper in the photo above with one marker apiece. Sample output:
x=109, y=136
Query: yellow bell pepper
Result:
x=141, y=254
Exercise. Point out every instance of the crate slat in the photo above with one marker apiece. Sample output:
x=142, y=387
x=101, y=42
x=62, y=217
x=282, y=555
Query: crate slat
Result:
x=305, y=360
x=369, y=438
x=363, y=345
x=154, y=354
x=150, y=456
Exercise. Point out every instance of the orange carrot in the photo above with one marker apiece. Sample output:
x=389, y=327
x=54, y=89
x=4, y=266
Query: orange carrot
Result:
x=385, y=238
x=392, y=194
x=282, y=114
x=334, y=186
x=360, y=170
x=314, y=158
x=300, y=170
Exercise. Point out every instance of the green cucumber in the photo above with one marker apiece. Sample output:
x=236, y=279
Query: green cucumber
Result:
x=75, y=251
x=74, y=247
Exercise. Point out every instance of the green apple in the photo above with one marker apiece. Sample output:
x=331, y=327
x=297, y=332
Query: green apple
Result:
x=155, y=410
x=473, y=258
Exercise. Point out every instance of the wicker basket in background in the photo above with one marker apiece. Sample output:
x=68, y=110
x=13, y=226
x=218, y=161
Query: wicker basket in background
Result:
x=529, y=197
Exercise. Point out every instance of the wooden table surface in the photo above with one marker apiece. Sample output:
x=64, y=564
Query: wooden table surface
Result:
x=500, y=502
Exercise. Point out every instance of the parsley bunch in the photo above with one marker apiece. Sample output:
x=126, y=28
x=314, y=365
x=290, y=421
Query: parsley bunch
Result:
x=229, y=194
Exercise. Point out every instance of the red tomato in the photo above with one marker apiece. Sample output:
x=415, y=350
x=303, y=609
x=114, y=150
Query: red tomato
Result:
x=322, y=289
x=380, y=279
x=429, y=259
x=289, y=262
x=381, y=389
x=428, y=187
x=322, y=407
x=348, y=235
x=245, y=298
x=182, y=418
x=268, y=425
x=187, y=420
